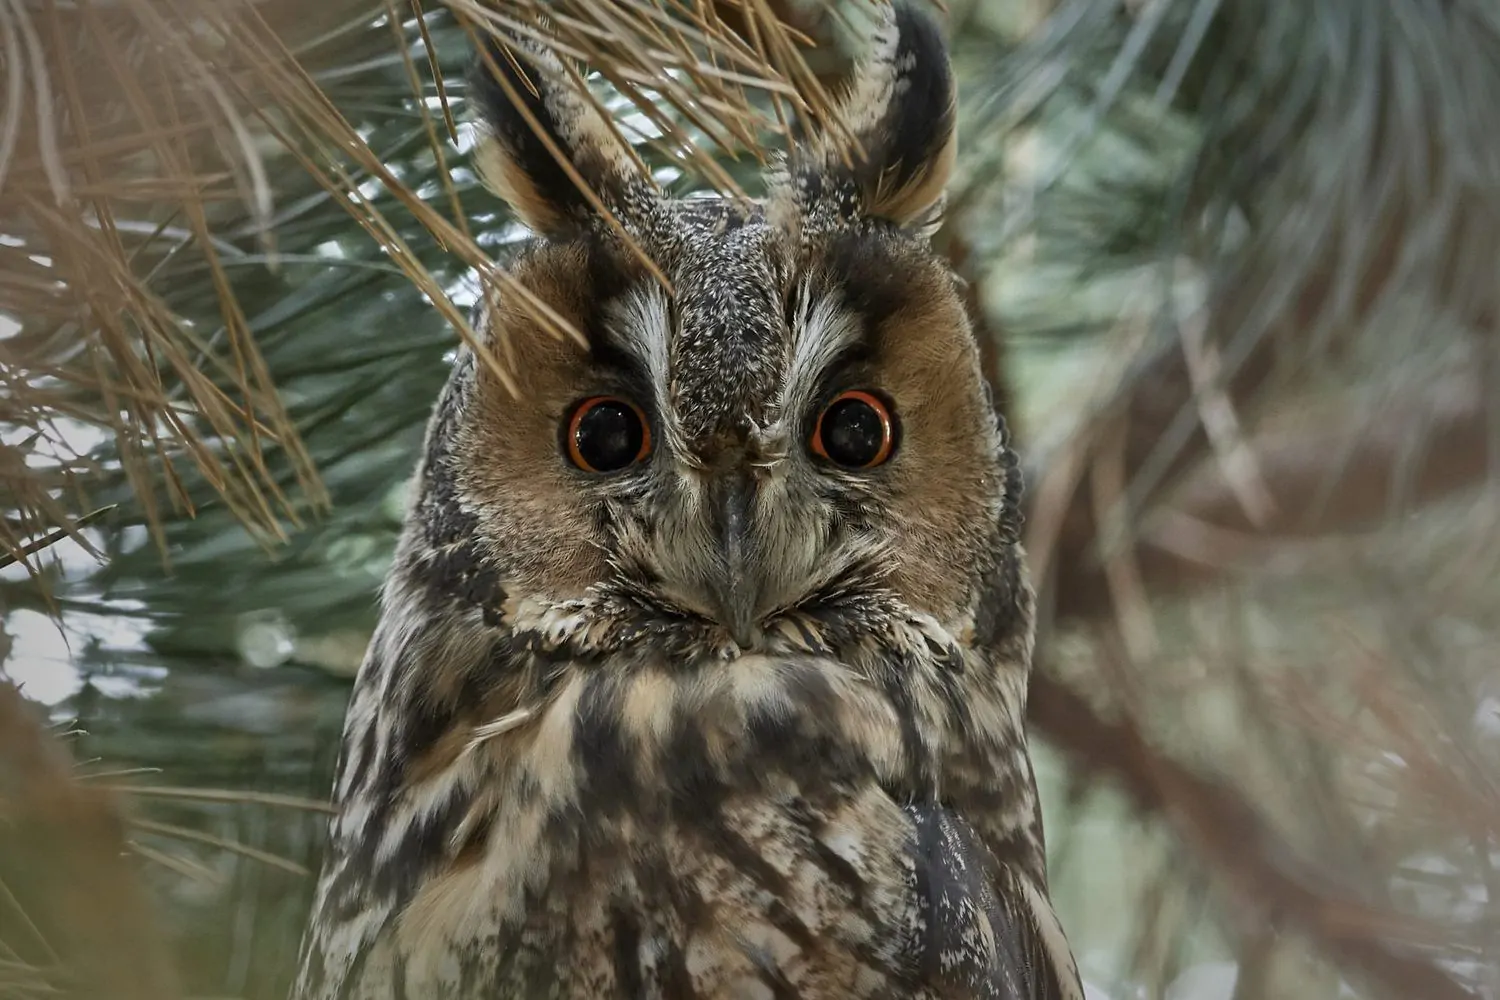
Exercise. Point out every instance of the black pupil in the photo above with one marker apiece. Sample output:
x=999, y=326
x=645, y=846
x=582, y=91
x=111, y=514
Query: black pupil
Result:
x=853, y=433
x=609, y=436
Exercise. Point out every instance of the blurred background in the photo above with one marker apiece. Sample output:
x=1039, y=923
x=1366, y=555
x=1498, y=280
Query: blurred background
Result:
x=1236, y=266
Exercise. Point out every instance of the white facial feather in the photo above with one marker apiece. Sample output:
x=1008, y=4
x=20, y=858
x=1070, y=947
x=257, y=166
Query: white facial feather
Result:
x=822, y=328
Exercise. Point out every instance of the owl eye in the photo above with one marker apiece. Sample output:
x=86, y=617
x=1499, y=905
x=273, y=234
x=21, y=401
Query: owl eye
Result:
x=854, y=431
x=607, y=434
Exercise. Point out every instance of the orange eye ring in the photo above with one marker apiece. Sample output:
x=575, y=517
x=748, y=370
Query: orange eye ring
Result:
x=607, y=434
x=854, y=431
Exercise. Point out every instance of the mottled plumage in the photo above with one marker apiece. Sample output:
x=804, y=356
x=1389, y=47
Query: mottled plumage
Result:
x=736, y=720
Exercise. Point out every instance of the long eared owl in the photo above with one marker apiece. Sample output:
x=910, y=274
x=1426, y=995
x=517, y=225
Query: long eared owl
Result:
x=701, y=665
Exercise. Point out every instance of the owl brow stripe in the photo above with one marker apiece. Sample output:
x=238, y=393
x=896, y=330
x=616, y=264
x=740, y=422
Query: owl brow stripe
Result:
x=823, y=331
x=641, y=321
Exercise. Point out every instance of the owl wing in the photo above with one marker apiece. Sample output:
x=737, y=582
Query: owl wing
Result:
x=988, y=927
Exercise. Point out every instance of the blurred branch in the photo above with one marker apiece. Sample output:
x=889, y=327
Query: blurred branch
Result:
x=1330, y=474
x=1224, y=830
x=88, y=912
x=1433, y=441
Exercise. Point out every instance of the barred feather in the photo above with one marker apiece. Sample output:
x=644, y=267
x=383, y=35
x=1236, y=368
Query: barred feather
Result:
x=607, y=741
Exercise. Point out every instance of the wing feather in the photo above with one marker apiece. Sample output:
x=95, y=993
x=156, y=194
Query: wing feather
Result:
x=990, y=931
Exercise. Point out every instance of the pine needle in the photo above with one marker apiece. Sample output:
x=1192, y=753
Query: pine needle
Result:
x=190, y=121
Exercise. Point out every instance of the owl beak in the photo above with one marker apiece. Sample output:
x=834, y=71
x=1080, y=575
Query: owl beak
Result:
x=737, y=591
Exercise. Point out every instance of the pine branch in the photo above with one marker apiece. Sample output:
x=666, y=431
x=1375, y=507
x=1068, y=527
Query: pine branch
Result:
x=137, y=151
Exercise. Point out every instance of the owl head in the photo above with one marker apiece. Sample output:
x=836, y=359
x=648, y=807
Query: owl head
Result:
x=779, y=411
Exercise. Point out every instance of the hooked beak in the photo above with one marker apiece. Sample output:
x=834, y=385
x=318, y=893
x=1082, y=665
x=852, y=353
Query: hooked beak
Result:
x=736, y=590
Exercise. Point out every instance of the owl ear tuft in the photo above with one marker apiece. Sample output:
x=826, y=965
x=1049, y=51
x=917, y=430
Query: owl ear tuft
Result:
x=543, y=147
x=901, y=108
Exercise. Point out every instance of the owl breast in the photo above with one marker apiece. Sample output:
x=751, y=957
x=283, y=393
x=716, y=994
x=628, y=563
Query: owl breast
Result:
x=756, y=828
